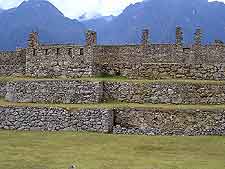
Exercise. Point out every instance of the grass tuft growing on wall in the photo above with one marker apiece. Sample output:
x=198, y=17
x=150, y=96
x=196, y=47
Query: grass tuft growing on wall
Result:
x=109, y=78
x=112, y=105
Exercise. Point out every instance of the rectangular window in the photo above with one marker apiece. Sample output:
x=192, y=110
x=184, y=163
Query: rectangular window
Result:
x=57, y=51
x=186, y=49
x=81, y=51
x=46, y=51
x=34, y=52
x=70, y=51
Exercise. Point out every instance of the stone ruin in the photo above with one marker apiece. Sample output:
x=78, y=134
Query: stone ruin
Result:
x=173, y=75
x=132, y=61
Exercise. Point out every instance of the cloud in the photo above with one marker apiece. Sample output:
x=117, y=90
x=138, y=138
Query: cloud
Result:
x=76, y=8
x=5, y=4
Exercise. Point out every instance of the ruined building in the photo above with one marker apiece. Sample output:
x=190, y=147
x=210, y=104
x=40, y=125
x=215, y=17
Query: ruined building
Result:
x=177, y=76
x=145, y=60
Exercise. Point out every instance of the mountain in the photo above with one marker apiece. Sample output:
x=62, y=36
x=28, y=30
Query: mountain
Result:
x=98, y=23
x=161, y=17
x=40, y=16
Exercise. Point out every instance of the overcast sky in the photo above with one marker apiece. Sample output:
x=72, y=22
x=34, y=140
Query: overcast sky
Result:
x=75, y=8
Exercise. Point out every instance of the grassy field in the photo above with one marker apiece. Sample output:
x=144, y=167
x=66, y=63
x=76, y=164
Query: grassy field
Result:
x=36, y=150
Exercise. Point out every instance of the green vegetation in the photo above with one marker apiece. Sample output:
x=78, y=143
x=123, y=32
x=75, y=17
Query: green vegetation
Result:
x=45, y=150
x=111, y=105
x=115, y=79
x=107, y=75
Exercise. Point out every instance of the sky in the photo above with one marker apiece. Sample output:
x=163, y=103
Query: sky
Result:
x=76, y=8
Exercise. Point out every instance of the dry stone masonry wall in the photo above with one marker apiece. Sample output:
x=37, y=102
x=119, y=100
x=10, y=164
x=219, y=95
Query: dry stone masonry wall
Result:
x=77, y=91
x=12, y=63
x=154, y=71
x=169, y=122
x=3, y=89
x=56, y=119
x=122, y=121
x=54, y=91
x=178, y=71
x=165, y=93
x=53, y=61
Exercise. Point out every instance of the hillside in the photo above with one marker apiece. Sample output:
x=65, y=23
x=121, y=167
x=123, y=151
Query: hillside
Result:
x=161, y=17
x=41, y=16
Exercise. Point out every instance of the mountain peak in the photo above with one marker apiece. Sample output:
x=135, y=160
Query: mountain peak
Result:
x=35, y=2
x=39, y=6
x=41, y=16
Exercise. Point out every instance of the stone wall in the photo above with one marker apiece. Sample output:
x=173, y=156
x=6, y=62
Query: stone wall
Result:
x=12, y=70
x=12, y=63
x=118, y=120
x=157, y=53
x=169, y=122
x=54, y=91
x=160, y=61
x=173, y=60
x=155, y=71
x=178, y=71
x=2, y=88
x=166, y=93
x=56, y=119
x=59, y=60
x=154, y=53
x=12, y=58
x=145, y=60
x=212, y=54
x=78, y=91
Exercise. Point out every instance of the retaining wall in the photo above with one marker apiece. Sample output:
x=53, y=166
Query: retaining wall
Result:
x=55, y=119
x=119, y=121
x=169, y=122
x=154, y=71
x=54, y=91
x=78, y=91
x=161, y=61
x=165, y=92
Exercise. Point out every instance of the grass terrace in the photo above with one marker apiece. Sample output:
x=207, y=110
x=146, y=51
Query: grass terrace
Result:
x=45, y=150
x=115, y=79
x=112, y=105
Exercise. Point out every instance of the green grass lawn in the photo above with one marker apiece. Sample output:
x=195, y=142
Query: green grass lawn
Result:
x=37, y=150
